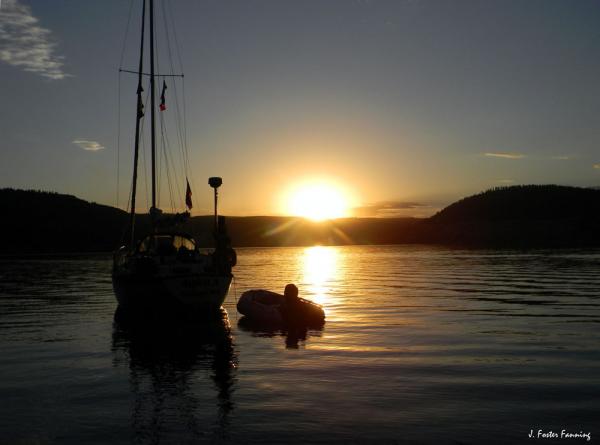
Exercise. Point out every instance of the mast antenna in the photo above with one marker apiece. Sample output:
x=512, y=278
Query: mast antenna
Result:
x=215, y=182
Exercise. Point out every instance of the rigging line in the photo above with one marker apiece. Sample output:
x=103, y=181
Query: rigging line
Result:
x=160, y=162
x=179, y=200
x=182, y=164
x=179, y=132
x=144, y=162
x=179, y=186
x=187, y=159
x=130, y=192
x=128, y=204
x=148, y=74
x=180, y=122
x=157, y=172
x=164, y=165
x=167, y=169
x=170, y=14
x=167, y=35
x=172, y=192
x=165, y=148
x=168, y=41
x=161, y=116
x=176, y=95
x=118, y=135
x=185, y=150
x=159, y=167
x=127, y=227
x=126, y=34
x=143, y=144
x=153, y=105
x=137, y=126
x=181, y=160
x=183, y=122
x=169, y=163
x=178, y=125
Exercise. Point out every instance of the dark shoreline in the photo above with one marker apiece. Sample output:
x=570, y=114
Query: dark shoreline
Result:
x=449, y=248
x=517, y=217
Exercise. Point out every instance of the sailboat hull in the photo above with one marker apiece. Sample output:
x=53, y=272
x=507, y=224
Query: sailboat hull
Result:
x=196, y=293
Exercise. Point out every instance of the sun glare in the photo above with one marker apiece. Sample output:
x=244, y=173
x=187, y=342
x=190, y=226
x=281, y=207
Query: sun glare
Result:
x=318, y=202
x=320, y=269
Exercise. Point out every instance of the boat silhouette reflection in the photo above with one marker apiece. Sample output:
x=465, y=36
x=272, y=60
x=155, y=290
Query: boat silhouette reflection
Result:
x=181, y=377
x=295, y=335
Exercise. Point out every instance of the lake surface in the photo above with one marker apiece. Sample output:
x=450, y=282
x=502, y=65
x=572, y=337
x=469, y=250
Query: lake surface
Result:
x=421, y=345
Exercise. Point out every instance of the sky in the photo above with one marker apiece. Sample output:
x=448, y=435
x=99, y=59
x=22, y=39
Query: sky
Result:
x=406, y=106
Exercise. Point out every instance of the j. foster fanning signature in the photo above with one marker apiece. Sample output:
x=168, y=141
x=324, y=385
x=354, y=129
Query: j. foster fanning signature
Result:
x=564, y=434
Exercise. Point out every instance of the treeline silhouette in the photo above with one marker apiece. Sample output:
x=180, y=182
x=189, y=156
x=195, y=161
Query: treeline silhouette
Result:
x=524, y=202
x=513, y=217
x=520, y=216
x=38, y=221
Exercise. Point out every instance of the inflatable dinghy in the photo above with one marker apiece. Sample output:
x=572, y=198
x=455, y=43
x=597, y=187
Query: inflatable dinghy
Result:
x=268, y=308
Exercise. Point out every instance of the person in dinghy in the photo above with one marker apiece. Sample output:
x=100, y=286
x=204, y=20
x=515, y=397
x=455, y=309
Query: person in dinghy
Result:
x=264, y=307
x=291, y=309
x=297, y=312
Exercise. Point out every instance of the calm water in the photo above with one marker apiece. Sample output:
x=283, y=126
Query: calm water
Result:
x=421, y=345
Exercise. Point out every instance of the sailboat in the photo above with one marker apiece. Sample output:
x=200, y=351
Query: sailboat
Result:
x=165, y=270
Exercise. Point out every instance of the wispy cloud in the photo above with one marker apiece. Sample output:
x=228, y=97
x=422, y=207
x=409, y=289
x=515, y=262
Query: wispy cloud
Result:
x=505, y=155
x=564, y=157
x=392, y=209
x=26, y=44
x=88, y=145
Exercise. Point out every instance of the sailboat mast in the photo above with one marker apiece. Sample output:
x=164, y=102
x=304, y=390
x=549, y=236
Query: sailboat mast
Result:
x=152, y=104
x=139, y=114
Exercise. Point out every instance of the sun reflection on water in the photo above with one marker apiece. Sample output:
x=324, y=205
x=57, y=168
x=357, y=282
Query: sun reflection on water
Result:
x=320, y=269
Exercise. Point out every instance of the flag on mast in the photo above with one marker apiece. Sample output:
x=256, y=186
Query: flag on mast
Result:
x=140, y=104
x=188, y=195
x=163, y=106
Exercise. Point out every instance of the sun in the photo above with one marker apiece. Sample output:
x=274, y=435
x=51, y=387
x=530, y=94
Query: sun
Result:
x=318, y=201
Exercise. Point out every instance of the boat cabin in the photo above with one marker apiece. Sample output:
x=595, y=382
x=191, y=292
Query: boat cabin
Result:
x=166, y=244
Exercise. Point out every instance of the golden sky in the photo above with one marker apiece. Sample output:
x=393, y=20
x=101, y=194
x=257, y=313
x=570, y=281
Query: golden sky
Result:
x=402, y=107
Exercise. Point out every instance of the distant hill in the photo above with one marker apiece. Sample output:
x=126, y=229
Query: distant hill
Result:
x=518, y=216
x=36, y=221
x=47, y=222
x=292, y=231
x=524, y=202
